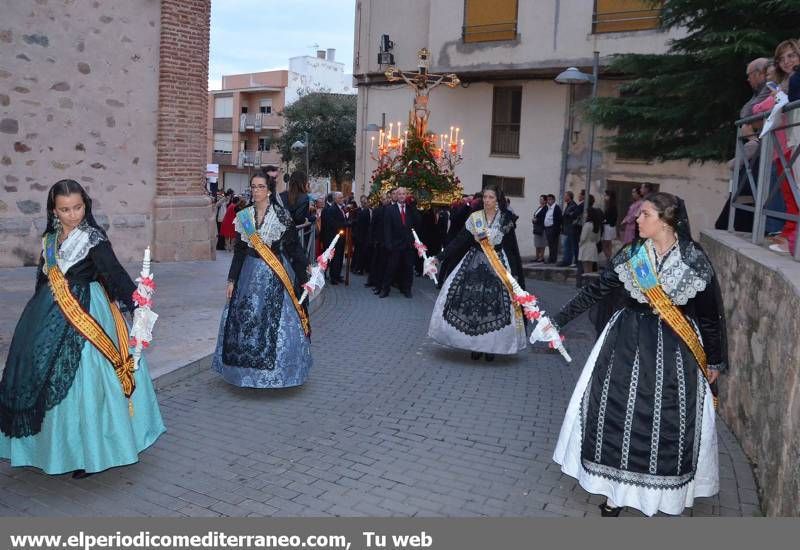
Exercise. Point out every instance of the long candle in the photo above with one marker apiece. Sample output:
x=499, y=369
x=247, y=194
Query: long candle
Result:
x=451, y=134
x=398, y=129
x=372, y=144
x=461, y=152
x=380, y=139
x=405, y=138
x=391, y=125
x=146, y=263
x=456, y=139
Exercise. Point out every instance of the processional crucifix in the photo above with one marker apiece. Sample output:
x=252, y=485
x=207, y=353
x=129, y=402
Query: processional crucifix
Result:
x=422, y=83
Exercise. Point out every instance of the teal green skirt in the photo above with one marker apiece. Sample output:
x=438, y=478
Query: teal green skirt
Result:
x=91, y=428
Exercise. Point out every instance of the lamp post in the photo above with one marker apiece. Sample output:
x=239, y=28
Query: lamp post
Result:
x=573, y=76
x=298, y=146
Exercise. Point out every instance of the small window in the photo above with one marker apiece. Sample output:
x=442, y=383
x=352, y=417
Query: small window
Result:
x=625, y=15
x=264, y=143
x=489, y=20
x=223, y=143
x=512, y=187
x=506, y=118
x=265, y=106
x=244, y=109
x=223, y=107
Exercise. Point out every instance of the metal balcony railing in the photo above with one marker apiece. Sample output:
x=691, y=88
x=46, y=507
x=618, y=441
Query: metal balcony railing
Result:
x=760, y=184
x=259, y=121
x=258, y=158
x=505, y=138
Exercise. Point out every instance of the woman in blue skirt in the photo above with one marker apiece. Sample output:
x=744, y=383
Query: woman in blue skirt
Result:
x=70, y=399
x=264, y=333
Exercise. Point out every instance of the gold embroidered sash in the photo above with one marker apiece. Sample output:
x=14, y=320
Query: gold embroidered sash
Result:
x=274, y=263
x=87, y=326
x=478, y=220
x=659, y=300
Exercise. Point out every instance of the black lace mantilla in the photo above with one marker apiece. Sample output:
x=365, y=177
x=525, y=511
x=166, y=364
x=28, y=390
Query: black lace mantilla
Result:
x=42, y=361
x=477, y=302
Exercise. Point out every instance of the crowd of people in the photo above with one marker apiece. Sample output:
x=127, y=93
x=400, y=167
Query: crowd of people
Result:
x=774, y=82
x=582, y=241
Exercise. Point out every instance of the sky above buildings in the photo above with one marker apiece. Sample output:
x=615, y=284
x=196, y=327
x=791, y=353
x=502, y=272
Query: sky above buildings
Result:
x=258, y=35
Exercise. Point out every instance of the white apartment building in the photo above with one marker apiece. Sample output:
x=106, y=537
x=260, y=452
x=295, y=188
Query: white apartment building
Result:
x=320, y=73
x=520, y=127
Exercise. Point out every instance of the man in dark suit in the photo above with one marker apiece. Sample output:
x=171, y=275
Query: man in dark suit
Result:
x=335, y=220
x=398, y=221
x=552, y=217
x=361, y=227
x=378, y=264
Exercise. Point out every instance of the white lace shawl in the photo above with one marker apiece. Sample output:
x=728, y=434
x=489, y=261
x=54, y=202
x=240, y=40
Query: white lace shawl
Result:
x=477, y=223
x=270, y=231
x=679, y=279
x=76, y=246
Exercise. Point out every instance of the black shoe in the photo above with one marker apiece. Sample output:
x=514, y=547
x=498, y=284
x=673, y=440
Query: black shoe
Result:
x=407, y=294
x=81, y=474
x=383, y=294
x=475, y=355
x=376, y=290
x=489, y=357
x=609, y=512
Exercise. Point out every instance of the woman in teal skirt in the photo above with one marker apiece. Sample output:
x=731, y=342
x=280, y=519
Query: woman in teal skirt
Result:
x=63, y=406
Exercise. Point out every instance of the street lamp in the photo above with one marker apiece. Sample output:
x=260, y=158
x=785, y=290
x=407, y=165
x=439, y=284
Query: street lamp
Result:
x=573, y=76
x=298, y=146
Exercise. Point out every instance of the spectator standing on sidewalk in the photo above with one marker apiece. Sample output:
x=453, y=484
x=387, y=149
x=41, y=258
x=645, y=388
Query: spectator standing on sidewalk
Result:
x=569, y=242
x=609, y=222
x=591, y=233
x=629, y=221
x=539, y=238
x=552, y=228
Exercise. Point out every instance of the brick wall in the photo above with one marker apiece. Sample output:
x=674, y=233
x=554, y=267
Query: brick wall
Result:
x=182, y=97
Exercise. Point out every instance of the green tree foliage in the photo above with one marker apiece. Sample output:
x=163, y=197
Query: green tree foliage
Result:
x=683, y=104
x=330, y=120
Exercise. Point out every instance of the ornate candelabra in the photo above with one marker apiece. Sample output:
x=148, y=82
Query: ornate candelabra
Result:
x=445, y=150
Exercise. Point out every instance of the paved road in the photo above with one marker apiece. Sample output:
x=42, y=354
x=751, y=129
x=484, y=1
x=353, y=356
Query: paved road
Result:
x=389, y=424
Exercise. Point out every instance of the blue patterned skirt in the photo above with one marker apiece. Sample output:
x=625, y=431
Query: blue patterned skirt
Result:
x=261, y=343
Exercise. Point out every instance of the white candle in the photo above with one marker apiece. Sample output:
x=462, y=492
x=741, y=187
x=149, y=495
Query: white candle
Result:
x=406, y=138
x=456, y=139
x=451, y=134
x=391, y=126
x=146, y=262
x=461, y=152
x=380, y=139
x=372, y=144
x=399, y=124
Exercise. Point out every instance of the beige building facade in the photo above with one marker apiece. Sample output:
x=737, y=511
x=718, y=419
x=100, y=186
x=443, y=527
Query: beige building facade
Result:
x=244, y=122
x=521, y=129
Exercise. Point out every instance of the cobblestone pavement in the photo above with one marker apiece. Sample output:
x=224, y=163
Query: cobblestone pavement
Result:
x=389, y=424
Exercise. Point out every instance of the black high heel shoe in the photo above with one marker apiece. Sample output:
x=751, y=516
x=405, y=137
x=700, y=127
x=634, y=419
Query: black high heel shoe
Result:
x=609, y=511
x=81, y=474
x=475, y=355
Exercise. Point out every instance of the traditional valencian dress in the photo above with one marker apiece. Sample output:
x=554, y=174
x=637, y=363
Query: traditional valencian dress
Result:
x=264, y=333
x=474, y=310
x=639, y=428
x=69, y=397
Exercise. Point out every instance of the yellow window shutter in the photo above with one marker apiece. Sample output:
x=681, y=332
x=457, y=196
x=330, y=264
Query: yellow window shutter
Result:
x=626, y=15
x=487, y=20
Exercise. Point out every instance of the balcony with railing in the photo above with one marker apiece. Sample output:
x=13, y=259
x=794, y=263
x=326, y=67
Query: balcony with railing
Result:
x=756, y=183
x=258, y=159
x=259, y=121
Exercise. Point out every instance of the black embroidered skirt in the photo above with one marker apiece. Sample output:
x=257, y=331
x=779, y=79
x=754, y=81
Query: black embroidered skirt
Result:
x=640, y=426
